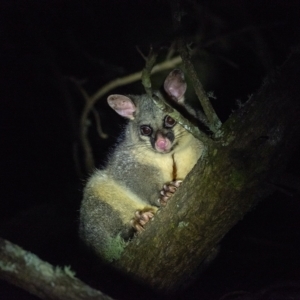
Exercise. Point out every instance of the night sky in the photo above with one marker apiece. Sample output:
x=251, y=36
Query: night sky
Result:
x=49, y=46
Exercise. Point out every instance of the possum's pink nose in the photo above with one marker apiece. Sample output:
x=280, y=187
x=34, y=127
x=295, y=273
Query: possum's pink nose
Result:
x=162, y=144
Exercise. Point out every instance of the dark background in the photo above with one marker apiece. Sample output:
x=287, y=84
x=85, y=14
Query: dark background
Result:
x=46, y=45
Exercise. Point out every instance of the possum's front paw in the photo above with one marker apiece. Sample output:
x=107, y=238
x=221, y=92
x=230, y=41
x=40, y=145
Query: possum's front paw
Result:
x=168, y=190
x=141, y=218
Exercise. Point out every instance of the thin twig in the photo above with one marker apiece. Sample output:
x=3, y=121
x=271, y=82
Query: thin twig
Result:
x=85, y=95
x=141, y=53
x=146, y=81
x=89, y=161
x=100, y=132
x=176, y=115
x=166, y=65
x=214, y=122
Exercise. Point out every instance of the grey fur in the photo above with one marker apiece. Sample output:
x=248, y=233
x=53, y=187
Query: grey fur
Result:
x=134, y=176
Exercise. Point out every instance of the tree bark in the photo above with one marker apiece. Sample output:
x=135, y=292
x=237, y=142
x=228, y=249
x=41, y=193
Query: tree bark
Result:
x=239, y=169
x=26, y=270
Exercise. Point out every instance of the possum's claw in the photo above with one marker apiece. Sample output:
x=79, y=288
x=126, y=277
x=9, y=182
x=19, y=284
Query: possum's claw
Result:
x=141, y=218
x=168, y=191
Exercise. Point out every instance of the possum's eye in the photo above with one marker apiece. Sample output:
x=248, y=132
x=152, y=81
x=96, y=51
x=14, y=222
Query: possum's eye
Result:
x=146, y=130
x=169, y=122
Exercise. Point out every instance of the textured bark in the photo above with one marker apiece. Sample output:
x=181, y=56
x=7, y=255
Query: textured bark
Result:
x=237, y=171
x=39, y=278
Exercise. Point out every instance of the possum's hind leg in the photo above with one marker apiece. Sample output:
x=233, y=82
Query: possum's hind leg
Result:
x=168, y=190
x=141, y=218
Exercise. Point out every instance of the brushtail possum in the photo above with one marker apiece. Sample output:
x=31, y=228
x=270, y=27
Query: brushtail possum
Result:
x=142, y=173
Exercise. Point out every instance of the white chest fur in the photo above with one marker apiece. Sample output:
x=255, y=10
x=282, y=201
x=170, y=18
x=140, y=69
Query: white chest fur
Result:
x=182, y=159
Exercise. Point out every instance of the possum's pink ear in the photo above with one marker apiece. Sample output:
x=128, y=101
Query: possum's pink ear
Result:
x=122, y=105
x=175, y=86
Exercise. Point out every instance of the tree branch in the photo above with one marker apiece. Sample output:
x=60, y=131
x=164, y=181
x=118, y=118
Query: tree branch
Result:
x=253, y=150
x=164, y=106
x=39, y=278
x=194, y=130
x=210, y=118
x=146, y=80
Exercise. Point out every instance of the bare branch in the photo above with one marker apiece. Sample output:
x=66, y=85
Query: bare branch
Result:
x=27, y=271
x=100, y=132
x=214, y=122
x=87, y=149
x=141, y=53
x=194, y=130
x=89, y=162
x=146, y=80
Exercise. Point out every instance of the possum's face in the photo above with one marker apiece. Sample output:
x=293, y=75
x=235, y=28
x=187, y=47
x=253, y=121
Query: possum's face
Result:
x=154, y=128
x=150, y=126
x=161, y=138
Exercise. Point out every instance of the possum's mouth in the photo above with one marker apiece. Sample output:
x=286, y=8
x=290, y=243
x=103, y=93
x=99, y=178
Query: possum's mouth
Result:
x=168, y=150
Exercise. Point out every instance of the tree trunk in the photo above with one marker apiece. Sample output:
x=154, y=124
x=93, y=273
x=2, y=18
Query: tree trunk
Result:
x=238, y=169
